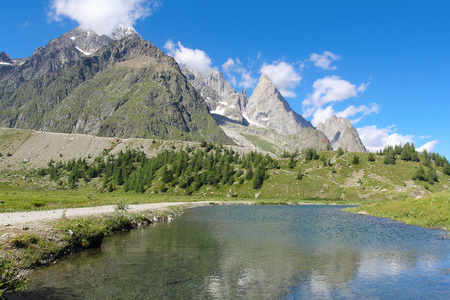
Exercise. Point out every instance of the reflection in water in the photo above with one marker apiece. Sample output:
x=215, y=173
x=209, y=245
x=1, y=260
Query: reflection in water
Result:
x=263, y=252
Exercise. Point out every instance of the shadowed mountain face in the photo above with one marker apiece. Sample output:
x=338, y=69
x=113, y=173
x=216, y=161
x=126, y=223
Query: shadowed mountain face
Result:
x=218, y=94
x=126, y=88
x=342, y=134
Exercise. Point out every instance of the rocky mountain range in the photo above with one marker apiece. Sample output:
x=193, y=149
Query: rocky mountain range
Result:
x=265, y=121
x=124, y=86
x=218, y=93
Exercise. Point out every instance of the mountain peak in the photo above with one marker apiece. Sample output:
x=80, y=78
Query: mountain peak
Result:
x=5, y=58
x=123, y=31
x=267, y=108
x=265, y=81
x=342, y=134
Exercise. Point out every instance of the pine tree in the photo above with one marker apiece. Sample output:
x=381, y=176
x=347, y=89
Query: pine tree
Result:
x=292, y=162
x=258, y=178
x=355, y=160
x=389, y=158
x=446, y=168
x=371, y=157
x=415, y=156
x=432, y=175
x=405, y=155
x=249, y=175
x=126, y=186
x=420, y=174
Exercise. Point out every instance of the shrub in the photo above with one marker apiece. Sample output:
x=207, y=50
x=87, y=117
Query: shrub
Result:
x=355, y=160
x=121, y=205
x=24, y=241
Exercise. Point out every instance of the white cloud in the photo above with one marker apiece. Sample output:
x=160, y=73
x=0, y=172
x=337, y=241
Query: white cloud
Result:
x=283, y=76
x=428, y=146
x=102, y=16
x=234, y=68
x=324, y=60
x=398, y=139
x=320, y=115
x=424, y=137
x=332, y=89
x=193, y=58
x=352, y=111
x=375, y=139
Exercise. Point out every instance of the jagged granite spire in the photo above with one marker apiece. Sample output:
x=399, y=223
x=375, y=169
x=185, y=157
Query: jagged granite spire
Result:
x=342, y=134
x=267, y=108
x=219, y=95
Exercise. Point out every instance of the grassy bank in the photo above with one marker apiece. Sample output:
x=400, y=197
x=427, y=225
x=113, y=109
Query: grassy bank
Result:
x=22, y=250
x=22, y=198
x=432, y=211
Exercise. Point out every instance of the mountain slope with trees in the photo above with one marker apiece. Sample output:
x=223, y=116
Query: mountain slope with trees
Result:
x=158, y=168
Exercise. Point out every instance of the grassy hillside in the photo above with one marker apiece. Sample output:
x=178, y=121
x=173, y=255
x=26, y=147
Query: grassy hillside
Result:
x=332, y=177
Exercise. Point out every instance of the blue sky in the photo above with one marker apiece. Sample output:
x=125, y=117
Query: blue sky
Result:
x=383, y=64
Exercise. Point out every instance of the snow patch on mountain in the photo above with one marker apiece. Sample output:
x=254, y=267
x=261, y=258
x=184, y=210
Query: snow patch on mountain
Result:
x=84, y=52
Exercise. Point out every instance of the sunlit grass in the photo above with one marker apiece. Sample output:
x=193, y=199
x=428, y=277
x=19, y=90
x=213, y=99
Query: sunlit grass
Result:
x=431, y=211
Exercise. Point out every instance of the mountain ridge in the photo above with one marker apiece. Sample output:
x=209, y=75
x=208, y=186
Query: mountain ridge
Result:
x=121, y=86
x=127, y=88
x=263, y=121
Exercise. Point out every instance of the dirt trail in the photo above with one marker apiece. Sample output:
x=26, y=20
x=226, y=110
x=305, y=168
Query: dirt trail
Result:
x=20, y=218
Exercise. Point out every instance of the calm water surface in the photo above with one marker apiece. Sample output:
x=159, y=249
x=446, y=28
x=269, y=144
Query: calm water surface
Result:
x=257, y=252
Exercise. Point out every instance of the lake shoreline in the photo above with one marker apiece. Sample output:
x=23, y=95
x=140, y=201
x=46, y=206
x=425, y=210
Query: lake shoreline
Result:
x=30, y=240
x=57, y=231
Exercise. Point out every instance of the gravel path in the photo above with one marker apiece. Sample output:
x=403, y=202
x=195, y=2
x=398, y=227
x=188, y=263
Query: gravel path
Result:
x=19, y=218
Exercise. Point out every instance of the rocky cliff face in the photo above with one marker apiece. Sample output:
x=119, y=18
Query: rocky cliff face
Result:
x=264, y=121
x=342, y=134
x=267, y=108
x=218, y=93
x=128, y=88
x=60, y=52
x=5, y=59
x=56, y=54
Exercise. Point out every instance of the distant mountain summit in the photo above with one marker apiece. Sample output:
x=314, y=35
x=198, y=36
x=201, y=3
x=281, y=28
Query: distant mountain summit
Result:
x=5, y=59
x=342, y=134
x=219, y=95
x=264, y=121
x=123, y=31
x=61, y=51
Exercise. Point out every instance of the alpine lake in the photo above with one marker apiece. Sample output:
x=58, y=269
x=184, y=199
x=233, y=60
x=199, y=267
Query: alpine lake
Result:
x=256, y=252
